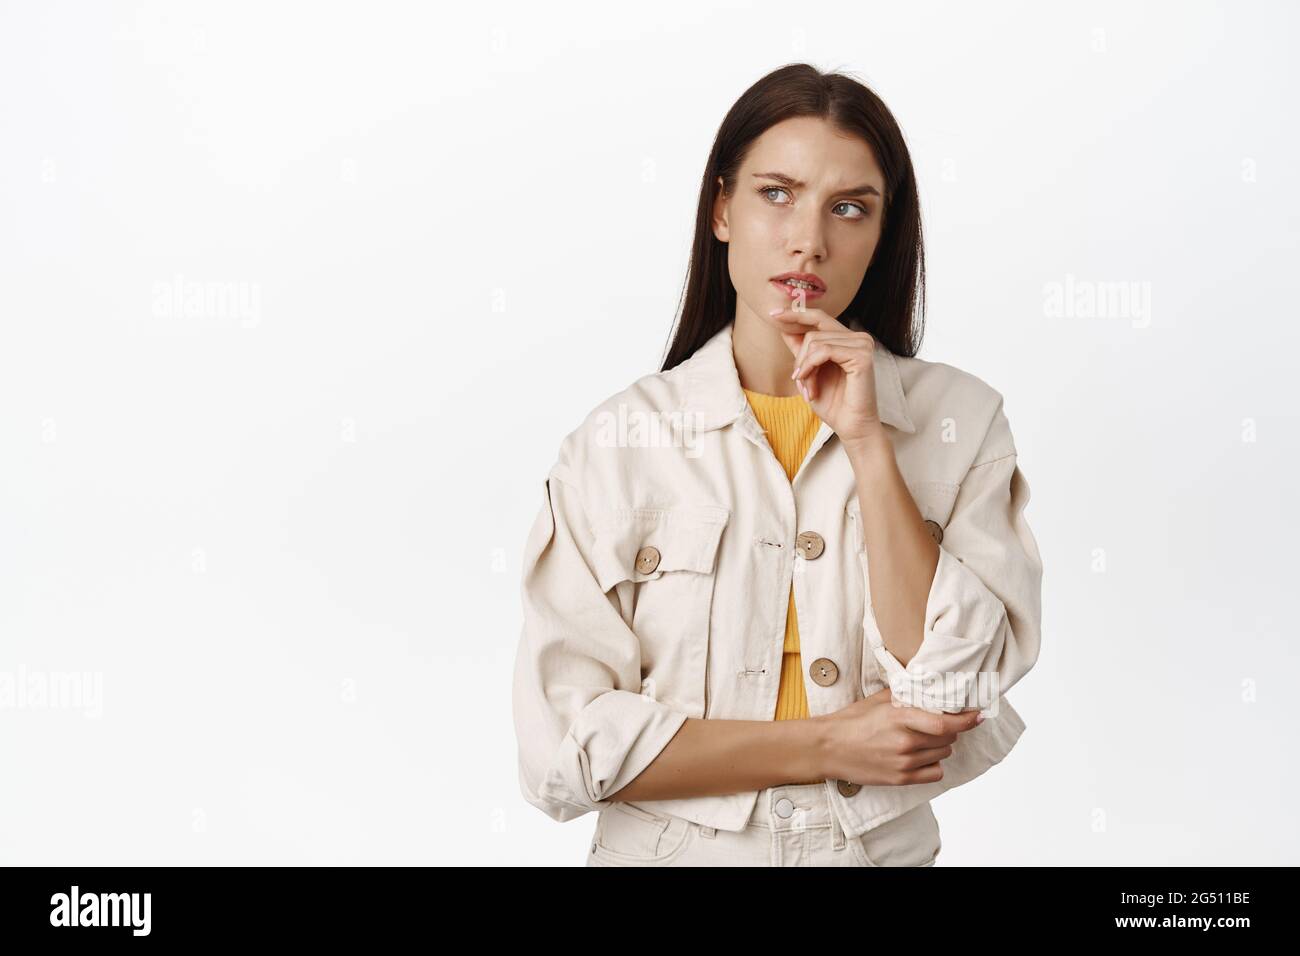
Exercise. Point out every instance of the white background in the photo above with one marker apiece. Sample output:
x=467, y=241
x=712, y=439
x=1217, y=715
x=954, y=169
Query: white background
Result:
x=286, y=538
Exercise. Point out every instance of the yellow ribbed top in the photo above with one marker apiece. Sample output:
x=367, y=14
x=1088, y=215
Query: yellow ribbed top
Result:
x=791, y=425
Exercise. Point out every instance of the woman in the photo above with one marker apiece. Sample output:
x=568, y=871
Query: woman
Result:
x=708, y=660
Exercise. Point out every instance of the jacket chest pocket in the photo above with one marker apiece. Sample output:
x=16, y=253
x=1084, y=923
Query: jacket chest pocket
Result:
x=662, y=562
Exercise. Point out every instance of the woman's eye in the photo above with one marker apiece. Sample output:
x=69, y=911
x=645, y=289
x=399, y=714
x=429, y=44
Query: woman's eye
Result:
x=765, y=191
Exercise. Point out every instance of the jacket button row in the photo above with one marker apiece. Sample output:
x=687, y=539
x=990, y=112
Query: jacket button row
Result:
x=935, y=530
x=811, y=544
x=647, y=559
x=846, y=788
x=824, y=672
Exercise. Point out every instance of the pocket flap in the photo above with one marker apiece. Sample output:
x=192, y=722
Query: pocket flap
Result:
x=686, y=538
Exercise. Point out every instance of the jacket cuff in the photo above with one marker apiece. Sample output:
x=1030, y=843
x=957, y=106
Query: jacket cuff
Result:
x=611, y=741
x=948, y=672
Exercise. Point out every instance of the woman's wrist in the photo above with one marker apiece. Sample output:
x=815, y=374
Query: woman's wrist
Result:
x=868, y=446
x=818, y=749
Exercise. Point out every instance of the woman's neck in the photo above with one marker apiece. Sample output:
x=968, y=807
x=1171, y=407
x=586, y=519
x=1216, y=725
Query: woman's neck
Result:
x=763, y=361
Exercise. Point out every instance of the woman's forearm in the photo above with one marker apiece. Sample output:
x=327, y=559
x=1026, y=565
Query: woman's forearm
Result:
x=904, y=557
x=711, y=757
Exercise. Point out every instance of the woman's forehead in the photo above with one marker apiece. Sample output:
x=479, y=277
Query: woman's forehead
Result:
x=811, y=152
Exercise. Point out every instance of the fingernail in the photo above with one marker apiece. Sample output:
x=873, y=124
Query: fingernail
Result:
x=777, y=311
x=979, y=719
x=795, y=373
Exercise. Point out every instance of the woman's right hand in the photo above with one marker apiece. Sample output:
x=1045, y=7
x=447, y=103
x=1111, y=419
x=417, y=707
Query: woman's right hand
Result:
x=876, y=742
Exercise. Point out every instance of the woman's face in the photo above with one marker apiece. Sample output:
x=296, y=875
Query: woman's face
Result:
x=808, y=199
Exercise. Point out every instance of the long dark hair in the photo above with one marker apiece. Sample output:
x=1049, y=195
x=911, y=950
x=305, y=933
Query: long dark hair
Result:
x=890, y=303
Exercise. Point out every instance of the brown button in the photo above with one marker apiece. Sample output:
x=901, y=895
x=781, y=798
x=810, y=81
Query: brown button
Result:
x=810, y=543
x=647, y=559
x=846, y=788
x=935, y=530
x=824, y=672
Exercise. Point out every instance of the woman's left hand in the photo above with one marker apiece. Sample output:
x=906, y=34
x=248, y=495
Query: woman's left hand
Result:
x=835, y=371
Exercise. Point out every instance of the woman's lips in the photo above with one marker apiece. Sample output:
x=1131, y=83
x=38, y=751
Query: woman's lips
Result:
x=794, y=291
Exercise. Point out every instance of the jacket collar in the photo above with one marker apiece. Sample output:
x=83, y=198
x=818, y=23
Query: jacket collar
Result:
x=714, y=397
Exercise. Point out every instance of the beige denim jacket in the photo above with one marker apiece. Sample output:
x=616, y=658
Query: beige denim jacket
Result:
x=657, y=574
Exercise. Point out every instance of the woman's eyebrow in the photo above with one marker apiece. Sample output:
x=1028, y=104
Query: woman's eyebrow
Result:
x=866, y=189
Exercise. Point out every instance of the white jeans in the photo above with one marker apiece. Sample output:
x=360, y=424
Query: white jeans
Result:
x=792, y=825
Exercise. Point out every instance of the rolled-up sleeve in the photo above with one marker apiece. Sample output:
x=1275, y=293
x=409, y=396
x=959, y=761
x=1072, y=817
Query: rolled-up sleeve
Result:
x=983, y=612
x=584, y=729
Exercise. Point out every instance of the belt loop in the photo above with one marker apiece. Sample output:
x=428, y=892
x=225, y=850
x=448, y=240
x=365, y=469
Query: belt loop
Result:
x=708, y=832
x=838, y=840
